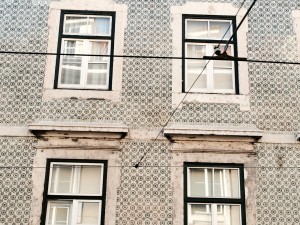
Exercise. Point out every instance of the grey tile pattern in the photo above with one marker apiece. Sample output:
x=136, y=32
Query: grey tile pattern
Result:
x=16, y=158
x=278, y=196
x=146, y=87
x=145, y=195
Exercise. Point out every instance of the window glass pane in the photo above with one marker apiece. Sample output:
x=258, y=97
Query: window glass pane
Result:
x=197, y=182
x=228, y=63
x=61, y=181
x=218, y=29
x=201, y=182
x=229, y=215
x=71, y=65
x=70, y=73
x=231, y=183
x=90, y=180
x=99, y=26
x=199, y=214
x=59, y=213
x=99, y=48
x=223, y=64
x=97, y=74
x=195, y=67
x=207, y=182
x=196, y=51
x=76, y=179
x=88, y=213
x=196, y=29
x=87, y=25
x=218, y=183
x=75, y=25
x=223, y=78
x=226, y=183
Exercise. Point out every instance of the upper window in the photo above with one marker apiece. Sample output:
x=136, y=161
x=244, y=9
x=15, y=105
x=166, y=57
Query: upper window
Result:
x=85, y=33
x=201, y=35
x=214, y=194
x=75, y=193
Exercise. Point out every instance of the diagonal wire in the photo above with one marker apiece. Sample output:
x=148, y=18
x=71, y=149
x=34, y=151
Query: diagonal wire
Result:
x=174, y=111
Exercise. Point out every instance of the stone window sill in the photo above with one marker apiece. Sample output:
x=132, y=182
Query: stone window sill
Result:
x=242, y=100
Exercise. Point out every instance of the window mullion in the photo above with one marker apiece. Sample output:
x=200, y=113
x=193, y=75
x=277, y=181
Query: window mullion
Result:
x=185, y=67
x=225, y=184
x=77, y=183
x=214, y=214
x=210, y=69
x=213, y=182
x=108, y=63
x=84, y=69
x=55, y=178
x=74, y=212
x=206, y=183
x=74, y=180
x=53, y=215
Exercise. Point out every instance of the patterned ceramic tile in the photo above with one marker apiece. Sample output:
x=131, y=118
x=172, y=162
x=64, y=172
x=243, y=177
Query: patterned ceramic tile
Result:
x=145, y=195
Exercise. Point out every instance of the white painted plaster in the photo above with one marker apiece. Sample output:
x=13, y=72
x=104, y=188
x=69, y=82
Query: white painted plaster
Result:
x=279, y=138
x=6, y=131
x=202, y=8
x=54, y=17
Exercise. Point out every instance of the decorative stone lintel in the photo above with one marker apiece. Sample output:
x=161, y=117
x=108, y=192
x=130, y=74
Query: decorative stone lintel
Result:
x=45, y=129
x=230, y=133
x=213, y=139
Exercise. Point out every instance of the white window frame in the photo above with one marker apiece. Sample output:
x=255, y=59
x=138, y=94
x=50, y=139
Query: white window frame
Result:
x=87, y=16
x=218, y=9
x=71, y=200
x=213, y=178
x=212, y=200
x=72, y=210
x=209, y=71
x=87, y=39
x=73, y=193
x=84, y=66
x=214, y=211
x=210, y=66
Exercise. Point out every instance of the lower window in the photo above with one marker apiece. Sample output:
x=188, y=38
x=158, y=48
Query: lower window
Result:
x=214, y=194
x=74, y=192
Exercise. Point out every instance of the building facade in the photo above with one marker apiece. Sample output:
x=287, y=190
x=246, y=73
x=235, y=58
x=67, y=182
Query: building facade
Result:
x=130, y=136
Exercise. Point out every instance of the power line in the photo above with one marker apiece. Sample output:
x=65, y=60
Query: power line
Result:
x=157, y=166
x=158, y=57
x=238, y=27
x=169, y=119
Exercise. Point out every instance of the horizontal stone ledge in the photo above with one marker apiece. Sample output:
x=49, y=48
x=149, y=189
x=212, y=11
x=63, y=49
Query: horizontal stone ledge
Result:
x=79, y=129
x=213, y=132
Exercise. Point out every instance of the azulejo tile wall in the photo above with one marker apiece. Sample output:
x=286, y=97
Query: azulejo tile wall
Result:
x=278, y=184
x=16, y=158
x=146, y=87
x=145, y=195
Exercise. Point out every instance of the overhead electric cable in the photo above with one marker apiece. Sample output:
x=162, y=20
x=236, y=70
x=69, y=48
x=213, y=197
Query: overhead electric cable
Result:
x=112, y=166
x=240, y=24
x=162, y=57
